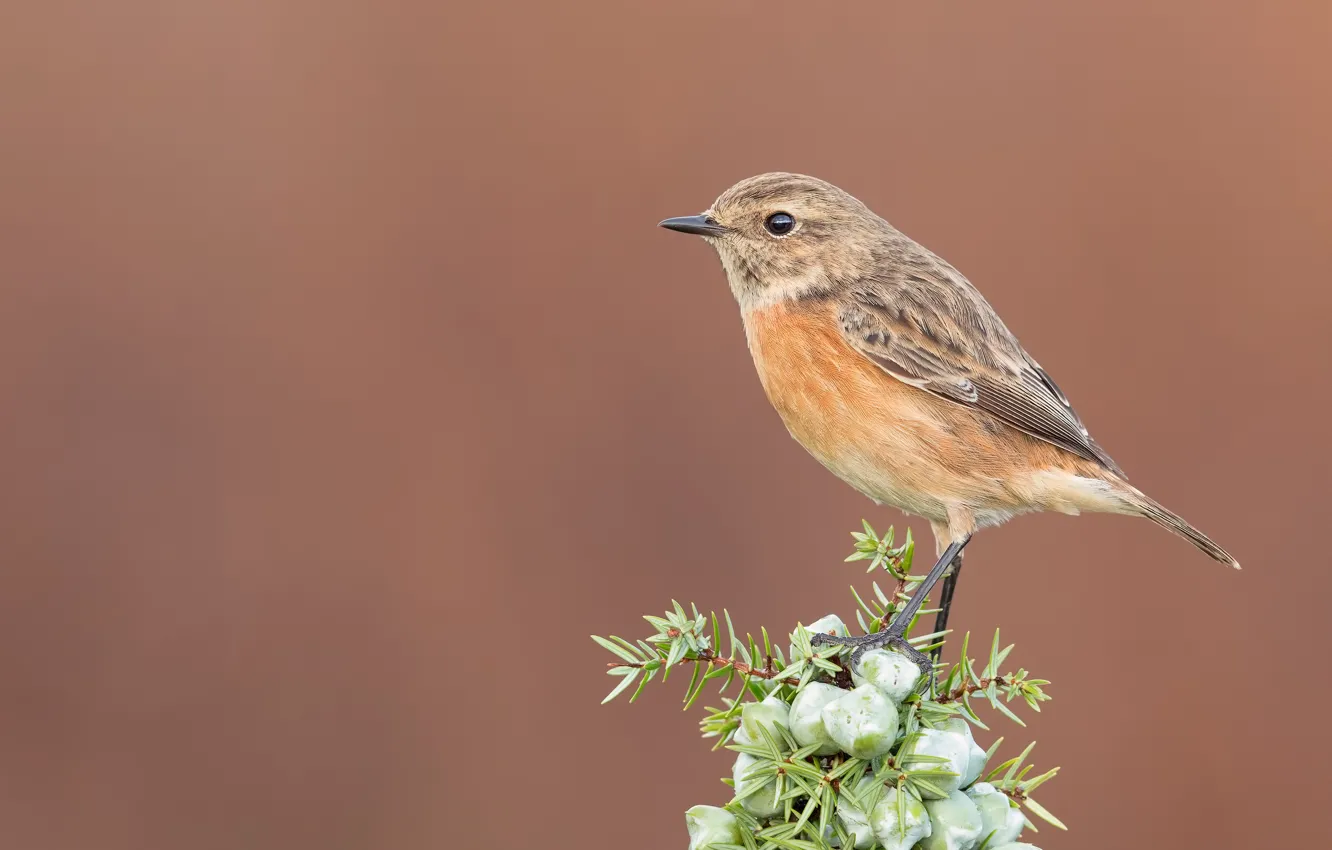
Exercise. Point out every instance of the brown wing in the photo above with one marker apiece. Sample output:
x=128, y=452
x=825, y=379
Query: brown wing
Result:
x=928, y=327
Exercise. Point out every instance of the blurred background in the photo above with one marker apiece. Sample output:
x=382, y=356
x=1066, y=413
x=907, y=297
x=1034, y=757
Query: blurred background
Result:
x=347, y=385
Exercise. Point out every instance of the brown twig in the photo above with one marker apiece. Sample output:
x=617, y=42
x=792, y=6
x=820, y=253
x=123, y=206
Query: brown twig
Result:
x=712, y=659
x=898, y=589
x=965, y=689
x=843, y=676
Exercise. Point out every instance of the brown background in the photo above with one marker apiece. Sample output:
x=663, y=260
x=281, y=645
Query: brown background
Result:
x=346, y=386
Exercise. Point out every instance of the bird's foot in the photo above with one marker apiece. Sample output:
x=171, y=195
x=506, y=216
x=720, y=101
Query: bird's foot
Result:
x=890, y=636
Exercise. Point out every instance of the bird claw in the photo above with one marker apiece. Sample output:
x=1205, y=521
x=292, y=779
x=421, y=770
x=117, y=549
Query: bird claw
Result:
x=891, y=636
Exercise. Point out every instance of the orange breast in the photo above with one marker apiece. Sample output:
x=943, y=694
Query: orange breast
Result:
x=893, y=442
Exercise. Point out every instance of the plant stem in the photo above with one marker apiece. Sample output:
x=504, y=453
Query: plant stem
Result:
x=712, y=659
x=966, y=690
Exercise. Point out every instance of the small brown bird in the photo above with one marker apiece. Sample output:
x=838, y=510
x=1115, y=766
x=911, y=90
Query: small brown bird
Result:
x=889, y=367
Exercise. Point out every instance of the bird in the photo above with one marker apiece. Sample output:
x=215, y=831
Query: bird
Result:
x=889, y=367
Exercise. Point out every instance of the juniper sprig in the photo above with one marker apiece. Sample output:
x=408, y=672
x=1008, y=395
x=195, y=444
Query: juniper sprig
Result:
x=828, y=756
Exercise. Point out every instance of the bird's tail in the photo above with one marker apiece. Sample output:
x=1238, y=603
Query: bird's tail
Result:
x=1144, y=505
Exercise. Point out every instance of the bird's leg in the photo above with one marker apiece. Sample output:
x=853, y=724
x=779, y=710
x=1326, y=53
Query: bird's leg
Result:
x=894, y=634
x=946, y=601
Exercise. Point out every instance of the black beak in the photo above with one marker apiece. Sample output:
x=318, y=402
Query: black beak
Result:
x=699, y=225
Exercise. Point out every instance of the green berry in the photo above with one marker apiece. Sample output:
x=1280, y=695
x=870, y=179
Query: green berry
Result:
x=856, y=823
x=975, y=753
x=863, y=722
x=710, y=826
x=894, y=674
x=944, y=743
x=998, y=814
x=762, y=803
x=772, y=713
x=830, y=624
x=899, y=835
x=806, y=717
x=956, y=822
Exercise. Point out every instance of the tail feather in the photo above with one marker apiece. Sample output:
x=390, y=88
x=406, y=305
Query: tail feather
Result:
x=1171, y=521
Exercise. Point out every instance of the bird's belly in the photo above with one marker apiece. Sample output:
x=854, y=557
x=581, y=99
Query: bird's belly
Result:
x=867, y=447
x=882, y=437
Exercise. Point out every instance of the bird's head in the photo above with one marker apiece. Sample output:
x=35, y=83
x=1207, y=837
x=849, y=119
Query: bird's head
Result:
x=785, y=236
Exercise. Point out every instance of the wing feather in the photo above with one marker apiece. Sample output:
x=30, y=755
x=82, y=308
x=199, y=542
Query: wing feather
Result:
x=928, y=327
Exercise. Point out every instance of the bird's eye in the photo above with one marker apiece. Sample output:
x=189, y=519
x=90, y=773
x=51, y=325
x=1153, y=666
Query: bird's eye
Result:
x=780, y=223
